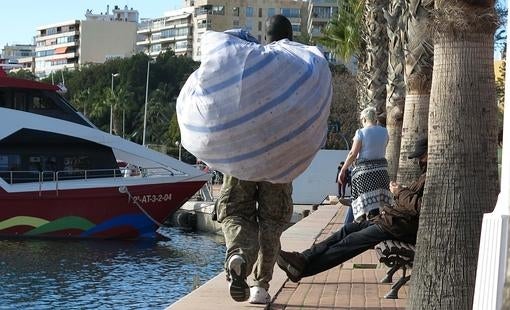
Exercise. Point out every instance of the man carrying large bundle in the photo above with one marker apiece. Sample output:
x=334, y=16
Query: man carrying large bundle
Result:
x=250, y=121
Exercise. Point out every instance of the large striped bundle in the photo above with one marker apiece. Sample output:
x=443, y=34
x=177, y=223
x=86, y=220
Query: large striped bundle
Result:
x=255, y=112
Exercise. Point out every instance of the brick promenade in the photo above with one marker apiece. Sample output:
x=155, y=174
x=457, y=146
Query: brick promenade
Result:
x=353, y=285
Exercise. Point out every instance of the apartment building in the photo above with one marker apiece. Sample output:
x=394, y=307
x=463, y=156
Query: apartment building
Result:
x=18, y=56
x=320, y=13
x=70, y=44
x=17, y=51
x=172, y=31
x=220, y=15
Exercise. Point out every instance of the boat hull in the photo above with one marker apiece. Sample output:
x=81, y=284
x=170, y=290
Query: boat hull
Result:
x=104, y=213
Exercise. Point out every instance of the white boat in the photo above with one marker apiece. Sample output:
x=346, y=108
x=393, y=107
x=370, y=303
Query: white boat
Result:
x=60, y=177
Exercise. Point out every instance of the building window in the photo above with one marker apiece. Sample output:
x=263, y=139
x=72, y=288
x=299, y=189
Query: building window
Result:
x=176, y=32
x=271, y=12
x=316, y=30
x=204, y=24
x=322, y=12
x=205, y=9
x=291, y=12
x=260, y=26
x=296, y=28
x=260, y=12
x=218, y=10
x=249, y=11
x=235, y=11
x=155, y=48
x=249, y=25
x=235, y=23
x=259, y=37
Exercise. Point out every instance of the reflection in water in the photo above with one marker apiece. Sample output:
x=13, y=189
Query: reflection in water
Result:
x=58, y=274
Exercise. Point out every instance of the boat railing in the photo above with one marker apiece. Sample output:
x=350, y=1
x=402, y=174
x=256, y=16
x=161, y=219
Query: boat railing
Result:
x=31, y=176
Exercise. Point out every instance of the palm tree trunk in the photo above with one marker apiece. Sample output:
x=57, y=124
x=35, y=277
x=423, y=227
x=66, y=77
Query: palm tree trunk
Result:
x=377, y=57
x=418, y=77
x=462, y=179
x=395, y=87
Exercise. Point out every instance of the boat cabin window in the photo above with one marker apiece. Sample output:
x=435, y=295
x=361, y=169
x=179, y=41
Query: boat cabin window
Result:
x=33, y=156
x=41, y=102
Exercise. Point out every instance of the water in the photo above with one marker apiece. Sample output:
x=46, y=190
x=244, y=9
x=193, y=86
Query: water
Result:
x=58, y=274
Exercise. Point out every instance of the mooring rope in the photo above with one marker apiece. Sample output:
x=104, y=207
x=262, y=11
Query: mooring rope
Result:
x=125, y=190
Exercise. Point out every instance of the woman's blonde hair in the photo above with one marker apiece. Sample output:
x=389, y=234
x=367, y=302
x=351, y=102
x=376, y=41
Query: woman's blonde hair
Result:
x=369, y=114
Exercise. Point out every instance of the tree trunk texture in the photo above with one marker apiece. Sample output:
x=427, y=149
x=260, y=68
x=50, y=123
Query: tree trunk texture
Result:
x=395, y=87
x=361, y=78
x=506, y=288
x=462, y=178
x=418, y=51
x=414, y=127
x=376, y=58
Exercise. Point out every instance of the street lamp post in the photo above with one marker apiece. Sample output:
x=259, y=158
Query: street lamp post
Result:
x=179, y=145
x=111, y=105
x=146, y=99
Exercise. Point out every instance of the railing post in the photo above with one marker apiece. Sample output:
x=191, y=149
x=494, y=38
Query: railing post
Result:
x=41, y=175
x=57, y=174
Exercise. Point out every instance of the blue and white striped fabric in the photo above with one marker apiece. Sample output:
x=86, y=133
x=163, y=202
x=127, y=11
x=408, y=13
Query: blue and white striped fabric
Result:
x=258, y=113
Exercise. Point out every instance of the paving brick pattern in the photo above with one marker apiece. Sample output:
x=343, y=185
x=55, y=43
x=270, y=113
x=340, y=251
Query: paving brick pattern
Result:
x=353, y=285
x=344, y=287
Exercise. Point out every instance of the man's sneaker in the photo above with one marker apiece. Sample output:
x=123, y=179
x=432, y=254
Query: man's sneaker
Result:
x=239, y=289
x=293, y=263
x=259, y=295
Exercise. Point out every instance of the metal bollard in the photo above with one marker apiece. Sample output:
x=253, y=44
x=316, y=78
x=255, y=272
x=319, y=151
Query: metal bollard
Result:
x=305, y=213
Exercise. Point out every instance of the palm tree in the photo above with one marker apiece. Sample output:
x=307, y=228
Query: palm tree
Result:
x=395, y=87
x=418, y=54
x=122, y=106
x=159, y=115
x=376, y=62
x=343, y=32
x=359, y=30
x=344, y=36
x=81, y=101
x=462, y=177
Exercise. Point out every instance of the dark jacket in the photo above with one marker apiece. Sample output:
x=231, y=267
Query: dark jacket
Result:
x=401, y=219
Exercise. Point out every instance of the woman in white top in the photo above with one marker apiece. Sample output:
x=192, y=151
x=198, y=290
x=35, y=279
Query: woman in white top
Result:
x=370, y=179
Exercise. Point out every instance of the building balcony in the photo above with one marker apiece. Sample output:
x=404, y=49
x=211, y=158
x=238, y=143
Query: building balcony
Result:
x=57, y=56
x=46, y=71
x=56, y=35
x=57, y=46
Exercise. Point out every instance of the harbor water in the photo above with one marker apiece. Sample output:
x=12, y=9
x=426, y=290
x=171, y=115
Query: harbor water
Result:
x=61, y=274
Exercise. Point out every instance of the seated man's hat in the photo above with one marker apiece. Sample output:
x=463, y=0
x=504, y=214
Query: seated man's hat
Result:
x=420, y=148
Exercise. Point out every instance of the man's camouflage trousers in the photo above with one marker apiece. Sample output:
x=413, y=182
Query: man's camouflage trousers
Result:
x=253, y=217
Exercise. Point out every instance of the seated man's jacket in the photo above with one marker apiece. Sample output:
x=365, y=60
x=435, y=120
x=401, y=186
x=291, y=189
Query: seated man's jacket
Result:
x=401, y=219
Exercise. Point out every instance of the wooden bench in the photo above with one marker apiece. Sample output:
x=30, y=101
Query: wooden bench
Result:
x=396, y=255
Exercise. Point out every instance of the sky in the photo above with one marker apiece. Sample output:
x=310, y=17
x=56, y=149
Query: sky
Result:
x=20, y=28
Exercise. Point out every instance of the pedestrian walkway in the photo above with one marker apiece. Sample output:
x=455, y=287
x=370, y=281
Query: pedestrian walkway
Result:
x=353, y=285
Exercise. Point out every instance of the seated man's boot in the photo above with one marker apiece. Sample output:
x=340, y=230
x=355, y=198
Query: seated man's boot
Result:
x=293, y=263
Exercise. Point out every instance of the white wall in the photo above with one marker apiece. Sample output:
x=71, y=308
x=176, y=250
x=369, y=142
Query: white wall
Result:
x=318, y=180
x=100, y=40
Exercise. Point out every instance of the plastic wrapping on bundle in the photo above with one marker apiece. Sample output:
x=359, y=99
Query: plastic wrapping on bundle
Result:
x=258, y=113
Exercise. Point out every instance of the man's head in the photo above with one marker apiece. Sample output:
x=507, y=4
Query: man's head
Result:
x=278, y=27
x=420, y=152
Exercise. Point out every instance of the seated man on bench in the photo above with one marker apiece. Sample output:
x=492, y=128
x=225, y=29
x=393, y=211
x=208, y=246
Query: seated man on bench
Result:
x=397, y=222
